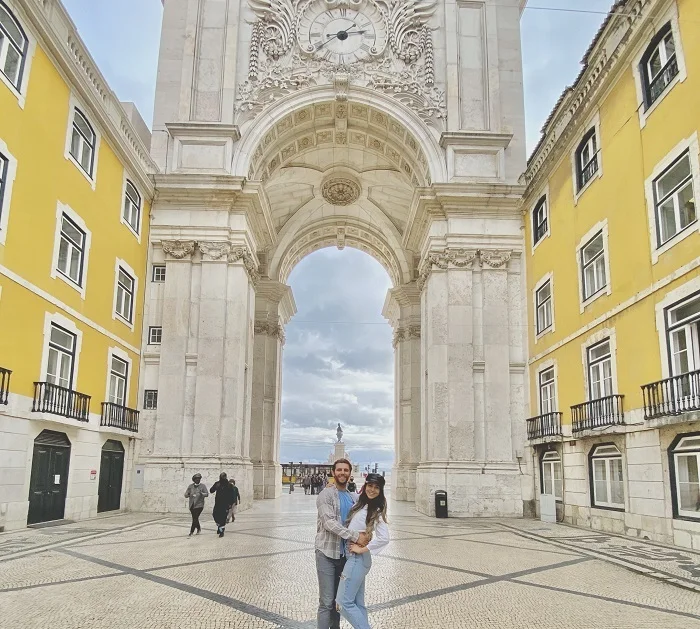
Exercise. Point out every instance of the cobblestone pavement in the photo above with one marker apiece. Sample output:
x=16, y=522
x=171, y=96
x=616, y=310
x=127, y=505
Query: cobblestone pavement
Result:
x=141, y=571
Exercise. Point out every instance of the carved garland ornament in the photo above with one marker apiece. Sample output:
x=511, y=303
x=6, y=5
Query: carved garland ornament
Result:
x=405, y=333
x=461, y=259
x=243, y=254
x=211, y=251
x=178, y=249
x=268, y=328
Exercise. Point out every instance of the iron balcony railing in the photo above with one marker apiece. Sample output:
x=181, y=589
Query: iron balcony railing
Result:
x=547, y=425
x=4, y=384
x=672, y=396
x=118, y=416
x=605, y=411
x=588, y=172
x=51, y=398
x=662, y=80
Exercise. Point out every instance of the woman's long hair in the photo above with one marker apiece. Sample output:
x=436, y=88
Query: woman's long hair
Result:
x=376, y=508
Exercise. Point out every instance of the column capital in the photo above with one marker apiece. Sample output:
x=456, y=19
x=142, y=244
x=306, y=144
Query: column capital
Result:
x=447, y=258
x=244, y=255
x=495, y=258
x=178, y=249
x=406, y=333
x=270, y=328
x=214, y=251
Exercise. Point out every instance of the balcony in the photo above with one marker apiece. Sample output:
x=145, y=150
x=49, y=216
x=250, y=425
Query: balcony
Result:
x=600, y=413
x=547, y=425
x=662, y=80
x=117, y=416
x=672, y=396
x=4, y=384
x=56, y=400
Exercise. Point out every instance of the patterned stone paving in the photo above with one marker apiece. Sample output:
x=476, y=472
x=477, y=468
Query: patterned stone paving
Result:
x=141, y=570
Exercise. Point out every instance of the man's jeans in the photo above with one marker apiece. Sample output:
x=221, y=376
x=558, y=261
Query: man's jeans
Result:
x=328, y=571
x=351, y=590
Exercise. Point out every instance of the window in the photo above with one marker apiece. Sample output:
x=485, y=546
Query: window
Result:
x=543, y=305
x=548, y=399
x=685, y=462
x=159, y=273
x=61, y=357
x=155, y=335
x=683, y=329
x=552, y=482
x=118, y=378
x=82, y=143
x=659, y=65
x=4, y=172
x=13, y=47
x=150, y=399
x=674, y=200
x=71, y=251
x=587, y=159
x=132, y=207
x=124, y=305
x=607, y=478
x=593, y=266
x=540, y=223
x=600, y=381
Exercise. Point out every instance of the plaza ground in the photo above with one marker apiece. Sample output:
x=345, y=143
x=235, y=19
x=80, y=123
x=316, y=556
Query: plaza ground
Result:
x=141, y=570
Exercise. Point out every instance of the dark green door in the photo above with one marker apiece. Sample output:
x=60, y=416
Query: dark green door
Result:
x=111, y=474
x=49, y=482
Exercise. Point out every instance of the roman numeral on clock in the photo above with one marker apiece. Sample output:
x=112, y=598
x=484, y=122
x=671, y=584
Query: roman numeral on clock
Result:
x=366, y=47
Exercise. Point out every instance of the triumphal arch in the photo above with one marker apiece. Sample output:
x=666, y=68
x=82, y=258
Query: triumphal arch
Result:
x=392, y=126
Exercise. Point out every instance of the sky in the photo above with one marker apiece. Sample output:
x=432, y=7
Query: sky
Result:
x=338, y=358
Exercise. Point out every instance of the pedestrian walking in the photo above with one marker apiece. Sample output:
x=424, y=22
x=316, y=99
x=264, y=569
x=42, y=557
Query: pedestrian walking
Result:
x=196, y=493
x=222, y=503
x=306, y=484
x=231, y=516
x=291, y=486
x=333, y=505
x=368, y=514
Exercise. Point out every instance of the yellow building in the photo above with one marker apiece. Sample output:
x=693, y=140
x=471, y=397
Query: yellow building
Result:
x=613, y=272
x=75, y=193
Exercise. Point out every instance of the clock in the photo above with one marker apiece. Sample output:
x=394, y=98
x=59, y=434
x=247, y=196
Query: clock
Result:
x=343, y=34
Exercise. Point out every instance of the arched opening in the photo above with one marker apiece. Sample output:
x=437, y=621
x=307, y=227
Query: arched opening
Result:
x=338, y=365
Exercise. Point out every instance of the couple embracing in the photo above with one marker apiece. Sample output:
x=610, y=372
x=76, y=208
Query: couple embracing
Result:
x=349, y=531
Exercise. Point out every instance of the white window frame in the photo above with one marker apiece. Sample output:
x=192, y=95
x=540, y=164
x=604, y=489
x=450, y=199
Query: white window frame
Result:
x=594, y=339
x=685, y=451
x=671, y=299
x=116, y=352
x=595, y=365
x=121, y=264
x=73, y=105
x=690, y=145
x=6, y=189
x=543, y=194
x=671, y=15
x=151, y=329
x=20, y=92
x=148, y=408
x=540, y=387
x=62, y=209
x=598, y=227
x=607, y=455
x=153, y=273
x=547, y=278
x=694, y=346
x=58, y=319
x=136, y=231
x=593, y=123
x=541, y=368
x=549, y=460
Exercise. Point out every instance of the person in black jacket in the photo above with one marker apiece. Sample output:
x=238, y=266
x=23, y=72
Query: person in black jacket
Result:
x=223, y=502
x=231, y=517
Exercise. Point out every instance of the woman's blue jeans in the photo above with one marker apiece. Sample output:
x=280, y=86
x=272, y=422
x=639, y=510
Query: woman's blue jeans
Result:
x=351, y=590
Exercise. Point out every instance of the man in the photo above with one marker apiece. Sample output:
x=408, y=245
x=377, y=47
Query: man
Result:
x=196, y=493
x=231, y=517
x=333, y=504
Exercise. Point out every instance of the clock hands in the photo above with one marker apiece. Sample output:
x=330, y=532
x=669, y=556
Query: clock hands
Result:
x=341, y=35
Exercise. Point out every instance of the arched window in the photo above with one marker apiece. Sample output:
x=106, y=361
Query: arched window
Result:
x=659, y=65
x=552, y=478
x=685, y=476
x=13, y=47
x=132, y=206
x=82, y=144
x=607, y=479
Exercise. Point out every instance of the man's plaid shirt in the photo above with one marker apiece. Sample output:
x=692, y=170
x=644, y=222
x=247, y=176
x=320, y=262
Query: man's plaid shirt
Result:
x=329, y=529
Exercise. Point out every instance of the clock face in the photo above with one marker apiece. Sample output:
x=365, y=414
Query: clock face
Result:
x=343, y=35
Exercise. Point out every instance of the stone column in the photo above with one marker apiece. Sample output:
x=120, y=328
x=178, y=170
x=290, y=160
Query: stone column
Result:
x=274, y=306
x=402, y=308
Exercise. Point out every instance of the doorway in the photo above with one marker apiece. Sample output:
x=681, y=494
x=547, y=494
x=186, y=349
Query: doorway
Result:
x=111, y=474
x=49, y=481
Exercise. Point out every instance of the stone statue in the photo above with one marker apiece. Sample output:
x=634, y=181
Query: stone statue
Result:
x=339, y=433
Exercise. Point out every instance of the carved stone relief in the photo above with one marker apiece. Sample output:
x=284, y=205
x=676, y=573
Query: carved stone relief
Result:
x=178, y=249
x=462, y=259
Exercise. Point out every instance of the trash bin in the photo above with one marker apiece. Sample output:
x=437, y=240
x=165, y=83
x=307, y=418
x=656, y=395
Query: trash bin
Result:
x=440, y=504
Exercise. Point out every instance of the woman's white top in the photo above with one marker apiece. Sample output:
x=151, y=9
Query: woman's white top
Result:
x=380, y=538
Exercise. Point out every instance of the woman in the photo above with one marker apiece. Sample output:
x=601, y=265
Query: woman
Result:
x=367, y=514
x=196, y=492
x=222, y=503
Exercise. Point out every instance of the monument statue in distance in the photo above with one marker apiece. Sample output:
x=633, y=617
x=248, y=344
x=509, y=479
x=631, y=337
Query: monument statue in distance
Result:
x=339, y=433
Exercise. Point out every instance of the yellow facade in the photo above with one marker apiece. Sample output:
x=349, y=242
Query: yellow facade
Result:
x=630, y=147
x=34, y=129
